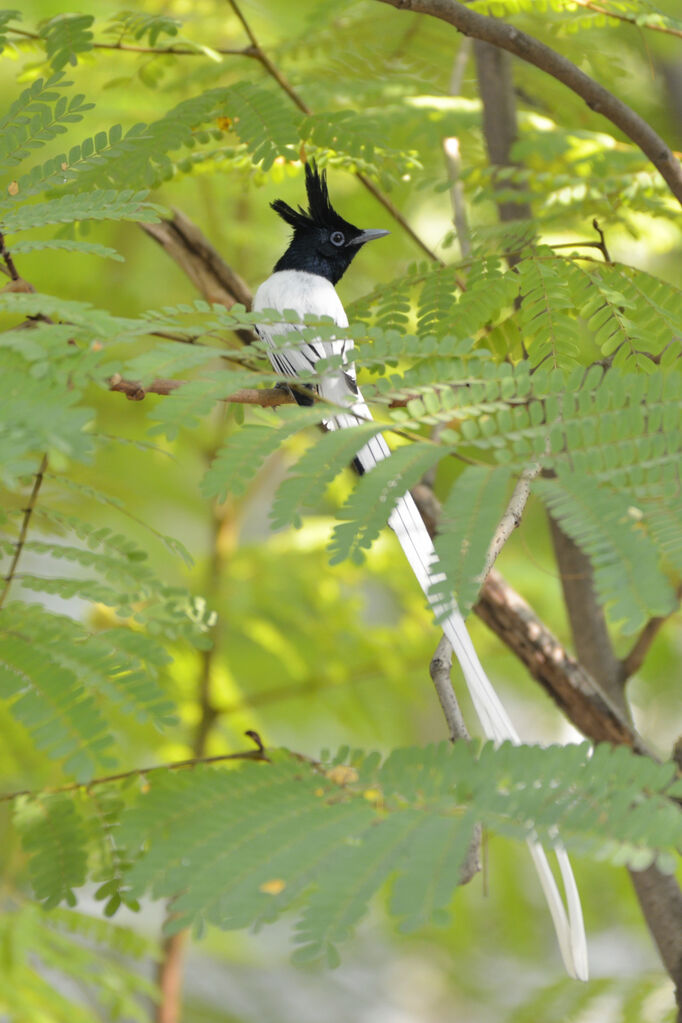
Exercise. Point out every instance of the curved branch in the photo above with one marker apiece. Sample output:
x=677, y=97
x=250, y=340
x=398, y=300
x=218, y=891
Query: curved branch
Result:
x=522, y=45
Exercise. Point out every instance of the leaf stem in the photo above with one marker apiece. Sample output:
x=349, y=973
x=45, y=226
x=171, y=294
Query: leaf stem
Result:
x=139, y=772
x=28, y=511
x=7, y=259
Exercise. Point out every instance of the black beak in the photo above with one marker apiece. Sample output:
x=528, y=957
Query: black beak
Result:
x=367, y=236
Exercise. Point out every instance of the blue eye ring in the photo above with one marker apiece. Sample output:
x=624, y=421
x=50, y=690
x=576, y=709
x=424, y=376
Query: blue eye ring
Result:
x=337, y=238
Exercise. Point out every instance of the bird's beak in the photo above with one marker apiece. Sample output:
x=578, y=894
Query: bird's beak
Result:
x=367, y=236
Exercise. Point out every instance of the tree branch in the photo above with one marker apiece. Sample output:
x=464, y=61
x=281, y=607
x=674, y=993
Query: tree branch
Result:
x=141, y=772
x=591, y=638
x=496, y=88
x=7, y=259
x=213, y=278
x=598, y=9
x=154, y=51
x=513, y=621
x=531, y=50
x=511, y=519
x=571, y=687
x=633, y=661
x=28, y=512
x=439, y=669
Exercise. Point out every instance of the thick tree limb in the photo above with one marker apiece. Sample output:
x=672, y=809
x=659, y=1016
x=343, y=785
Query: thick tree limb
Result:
x=496, y=88
x=524, y=46
x=661, y=900
x=571, y=687
x=659, y=895
x=588, y=624
x=213, y=278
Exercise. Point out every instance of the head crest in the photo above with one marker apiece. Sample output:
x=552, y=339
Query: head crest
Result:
x=320, y=210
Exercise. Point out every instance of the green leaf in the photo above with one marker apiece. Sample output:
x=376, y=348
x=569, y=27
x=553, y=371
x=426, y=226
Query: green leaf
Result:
x=469, y=518
x=322, y=462
x=238, y=461
x=599, y=520
x=368, y=508
x=55, y=836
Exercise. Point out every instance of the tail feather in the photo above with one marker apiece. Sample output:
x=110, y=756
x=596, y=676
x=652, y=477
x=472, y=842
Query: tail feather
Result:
x=408, y=525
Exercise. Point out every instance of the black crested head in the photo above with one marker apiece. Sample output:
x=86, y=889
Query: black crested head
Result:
x=323, y=242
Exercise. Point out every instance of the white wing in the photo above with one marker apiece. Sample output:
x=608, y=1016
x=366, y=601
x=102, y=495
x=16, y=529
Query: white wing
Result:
x=308, y=293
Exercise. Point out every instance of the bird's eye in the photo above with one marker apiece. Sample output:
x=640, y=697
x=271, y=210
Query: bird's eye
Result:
x=337, y=238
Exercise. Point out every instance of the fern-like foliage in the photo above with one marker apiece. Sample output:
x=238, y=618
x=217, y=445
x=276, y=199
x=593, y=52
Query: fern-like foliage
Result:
x=58, y=955
x=65, y=36
x=468, y=522
x=106, y=204
x=365, y=512
x=140, y=26
x=235, y=847
x=40, y=113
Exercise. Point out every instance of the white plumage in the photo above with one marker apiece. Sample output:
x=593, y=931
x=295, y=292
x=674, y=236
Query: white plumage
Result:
x=311, y=294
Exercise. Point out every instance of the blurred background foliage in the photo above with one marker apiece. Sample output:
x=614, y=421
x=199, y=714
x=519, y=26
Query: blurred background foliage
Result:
x=286, y=622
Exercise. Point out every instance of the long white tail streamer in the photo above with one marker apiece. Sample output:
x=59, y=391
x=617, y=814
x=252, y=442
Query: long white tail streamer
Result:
x=410, y=529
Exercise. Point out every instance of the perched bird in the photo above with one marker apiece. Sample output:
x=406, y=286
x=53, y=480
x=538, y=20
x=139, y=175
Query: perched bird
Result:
x=320, y=251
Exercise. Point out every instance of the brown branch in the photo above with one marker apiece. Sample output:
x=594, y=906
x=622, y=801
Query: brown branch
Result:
x=266, y=397
x=633, y=661
x=659, y=895
x=7, y=259
x=513, y=621
x=571, y=687
x=508, y=37
x=213, y=278
x=586, y=616
x=28, y=511
x=169, y=978
x=262, y=56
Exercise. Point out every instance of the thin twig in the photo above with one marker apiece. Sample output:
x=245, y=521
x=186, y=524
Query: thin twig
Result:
x=266, y=397
x=511, y=519
x=508, y=37
x=7, y=258
x=633, y=661
x=598, y=9
x=439, y=669
x=601, y=244
x=139, y=772
x=154, y=51
x=28, y=511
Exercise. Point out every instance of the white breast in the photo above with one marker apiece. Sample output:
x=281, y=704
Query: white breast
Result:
x=306, y=294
